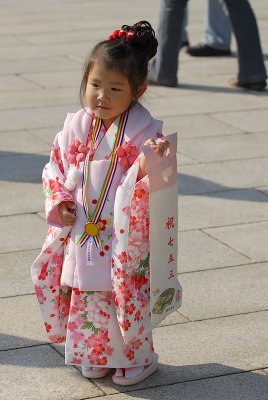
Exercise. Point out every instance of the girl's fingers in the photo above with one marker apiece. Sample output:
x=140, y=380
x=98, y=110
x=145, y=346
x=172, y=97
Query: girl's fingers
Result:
x=159, y=146
x=66, y=210
x=68, y=219
x=150, y=142
x=68, y=216
x=162, y=147
x=66, y=205
x=70, y=205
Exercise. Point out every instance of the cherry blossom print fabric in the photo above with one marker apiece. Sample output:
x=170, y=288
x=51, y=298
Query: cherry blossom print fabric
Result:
x=54, y=299
x=100, y=303
x=131, y=265
x=54, y=176
x=94, y=338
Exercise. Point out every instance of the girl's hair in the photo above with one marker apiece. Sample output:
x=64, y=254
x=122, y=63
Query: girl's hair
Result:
x=129, y=57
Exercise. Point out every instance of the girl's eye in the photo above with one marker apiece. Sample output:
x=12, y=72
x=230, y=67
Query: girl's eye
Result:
x=95, y=85
x=114, y=89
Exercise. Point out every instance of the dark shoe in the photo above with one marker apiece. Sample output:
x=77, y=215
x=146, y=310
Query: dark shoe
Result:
x=248, y=85
x=158, y=83
x=185, y=43
x=202, y=50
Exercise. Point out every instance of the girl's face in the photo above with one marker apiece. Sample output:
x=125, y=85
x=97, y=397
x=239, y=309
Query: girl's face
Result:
x=108, y=93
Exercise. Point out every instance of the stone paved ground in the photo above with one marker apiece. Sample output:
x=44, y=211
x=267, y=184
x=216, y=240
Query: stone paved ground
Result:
x=216, y=347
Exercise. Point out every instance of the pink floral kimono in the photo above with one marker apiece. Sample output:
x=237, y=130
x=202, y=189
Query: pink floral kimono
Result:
x=101, y=300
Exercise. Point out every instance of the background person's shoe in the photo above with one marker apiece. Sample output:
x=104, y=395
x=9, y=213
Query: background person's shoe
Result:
x=248, y=85
x=158, y=83
x=202, y=50
x=184, y=43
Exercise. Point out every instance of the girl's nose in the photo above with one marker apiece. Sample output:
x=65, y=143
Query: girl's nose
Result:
x=103, y=94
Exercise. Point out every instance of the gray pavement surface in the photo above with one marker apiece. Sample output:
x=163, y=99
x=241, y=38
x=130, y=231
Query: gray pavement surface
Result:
x=215, y=347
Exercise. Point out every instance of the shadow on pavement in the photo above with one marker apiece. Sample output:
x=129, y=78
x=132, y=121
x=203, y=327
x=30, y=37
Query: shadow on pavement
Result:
x=199, y=382
x=212, y=381
x=194, y=186
x=27, y=354
x=220, y=89
x=27, y=167
x=22, y=167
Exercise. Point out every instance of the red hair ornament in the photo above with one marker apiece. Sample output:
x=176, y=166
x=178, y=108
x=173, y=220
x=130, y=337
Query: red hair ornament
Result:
x=130, y=36
x=119, y=33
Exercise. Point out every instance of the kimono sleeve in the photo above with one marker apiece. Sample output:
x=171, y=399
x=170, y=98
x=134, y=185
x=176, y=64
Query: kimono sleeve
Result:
x=130, y=261
x=54, y=176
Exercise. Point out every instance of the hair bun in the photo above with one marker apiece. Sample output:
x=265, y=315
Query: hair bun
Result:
x=127, y=51
x=144, y=38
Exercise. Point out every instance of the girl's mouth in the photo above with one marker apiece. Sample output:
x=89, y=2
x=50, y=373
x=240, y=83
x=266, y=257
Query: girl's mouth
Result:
x=103, y=107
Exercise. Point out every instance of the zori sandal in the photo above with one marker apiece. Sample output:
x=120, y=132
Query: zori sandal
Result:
x=95, y=372
x=132, y=380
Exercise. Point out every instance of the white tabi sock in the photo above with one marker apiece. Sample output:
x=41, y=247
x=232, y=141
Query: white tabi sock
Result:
x=92, y=368
x=133, y=372
x=119, y=372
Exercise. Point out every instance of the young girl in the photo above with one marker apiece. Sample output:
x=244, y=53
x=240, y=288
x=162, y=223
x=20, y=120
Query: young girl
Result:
x=92, y=277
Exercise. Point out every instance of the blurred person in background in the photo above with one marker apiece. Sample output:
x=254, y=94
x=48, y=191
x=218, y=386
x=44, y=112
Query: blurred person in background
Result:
x=251, y=75
x=216, y=40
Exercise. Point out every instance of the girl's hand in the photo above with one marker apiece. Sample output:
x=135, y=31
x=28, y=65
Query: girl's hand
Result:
x=160, y=147
x=66, y=212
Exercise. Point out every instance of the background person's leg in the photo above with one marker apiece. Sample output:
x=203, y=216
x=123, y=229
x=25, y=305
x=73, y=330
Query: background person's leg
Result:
x=218, y=26
x=165, y=65
x=250, y=58
x=185, y=36
x=217, y=36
